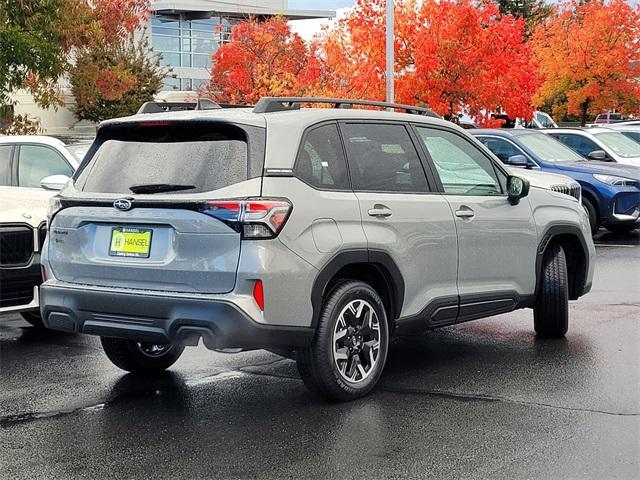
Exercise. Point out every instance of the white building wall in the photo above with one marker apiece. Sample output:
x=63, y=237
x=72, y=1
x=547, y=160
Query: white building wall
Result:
x=60, y=121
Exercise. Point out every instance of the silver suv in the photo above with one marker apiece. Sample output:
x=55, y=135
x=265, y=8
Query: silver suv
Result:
x=313, y=232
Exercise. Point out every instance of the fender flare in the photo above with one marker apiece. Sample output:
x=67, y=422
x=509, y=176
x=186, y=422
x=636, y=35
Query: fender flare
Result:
x=377, y=258
x=548, y=236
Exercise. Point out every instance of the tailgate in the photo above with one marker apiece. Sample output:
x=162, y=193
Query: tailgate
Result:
x=171, y=249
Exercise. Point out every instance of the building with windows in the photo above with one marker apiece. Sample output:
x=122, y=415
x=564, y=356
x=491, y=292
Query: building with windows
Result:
x=186, y=33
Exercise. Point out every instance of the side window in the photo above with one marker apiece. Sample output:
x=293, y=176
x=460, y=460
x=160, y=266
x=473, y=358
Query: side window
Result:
x=632, y=135
x=382, y=158
x=37, y=162
x=544, y=120
x=321, y=161
x=5, y=165
x=463, y=169
x=580, y=144
x=501, y=148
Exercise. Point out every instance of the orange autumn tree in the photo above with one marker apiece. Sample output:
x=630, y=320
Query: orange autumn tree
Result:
x=589, y=57
x=452, y=55
x=262, y=59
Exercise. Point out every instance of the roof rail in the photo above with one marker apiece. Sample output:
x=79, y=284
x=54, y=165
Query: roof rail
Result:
x=159, y=107
x=283, y=104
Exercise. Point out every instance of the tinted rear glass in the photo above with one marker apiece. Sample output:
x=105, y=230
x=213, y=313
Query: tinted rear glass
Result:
x=207, y=155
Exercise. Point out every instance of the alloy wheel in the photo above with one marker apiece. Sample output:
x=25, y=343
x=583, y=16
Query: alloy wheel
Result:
x=356, y=341
x=153, y=349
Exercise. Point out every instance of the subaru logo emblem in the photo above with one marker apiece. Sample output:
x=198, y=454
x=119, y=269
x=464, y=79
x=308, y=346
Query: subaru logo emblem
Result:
x=122, y=204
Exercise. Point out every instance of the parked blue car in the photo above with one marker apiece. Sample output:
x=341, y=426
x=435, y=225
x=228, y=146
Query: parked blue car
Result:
x=610, y=191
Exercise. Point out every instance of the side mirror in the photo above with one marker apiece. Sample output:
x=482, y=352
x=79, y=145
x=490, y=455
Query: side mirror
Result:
x=517, y=188
x=54, y=182
x=598, y=155
x=518, y=161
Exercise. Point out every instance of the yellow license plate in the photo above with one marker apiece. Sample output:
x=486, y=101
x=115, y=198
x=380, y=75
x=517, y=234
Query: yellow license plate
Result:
x=130, y=242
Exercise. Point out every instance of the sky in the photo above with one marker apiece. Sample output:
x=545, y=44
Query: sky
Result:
x=319, y=5
x=308, y=28
x=333, y=4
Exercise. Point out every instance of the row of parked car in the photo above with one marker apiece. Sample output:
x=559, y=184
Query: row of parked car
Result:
x=316, y=233
x=605, y=161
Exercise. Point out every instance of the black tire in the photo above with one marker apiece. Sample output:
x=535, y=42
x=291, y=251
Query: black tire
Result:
x=318, y=364
x=33, y=317
x=594, y=221
x=551, y=312
x=130, y=356
x=622, y=228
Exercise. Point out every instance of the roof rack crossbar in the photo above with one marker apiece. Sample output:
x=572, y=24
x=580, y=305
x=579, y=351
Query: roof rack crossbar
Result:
x=283, y=104
x=160, y=107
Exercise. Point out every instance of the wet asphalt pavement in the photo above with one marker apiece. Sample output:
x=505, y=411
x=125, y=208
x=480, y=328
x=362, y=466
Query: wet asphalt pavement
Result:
x=484, y=399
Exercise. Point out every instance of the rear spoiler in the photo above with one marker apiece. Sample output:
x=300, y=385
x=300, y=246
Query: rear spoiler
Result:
x=160, y=107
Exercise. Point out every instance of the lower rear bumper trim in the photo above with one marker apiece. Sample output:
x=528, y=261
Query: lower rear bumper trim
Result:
x=158, y=319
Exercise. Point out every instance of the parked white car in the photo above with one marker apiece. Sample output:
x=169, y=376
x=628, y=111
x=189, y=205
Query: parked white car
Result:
x=32, y=169
x=599, y=143
x=36, y=161
x=539, y=120
x=22, y=232
x=631, y=131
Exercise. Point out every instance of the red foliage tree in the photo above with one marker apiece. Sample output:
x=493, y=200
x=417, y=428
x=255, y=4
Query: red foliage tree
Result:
x=262, y=58
x=452, y=55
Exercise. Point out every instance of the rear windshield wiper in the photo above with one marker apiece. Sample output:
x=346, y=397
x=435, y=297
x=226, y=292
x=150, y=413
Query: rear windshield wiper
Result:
x=160, y=188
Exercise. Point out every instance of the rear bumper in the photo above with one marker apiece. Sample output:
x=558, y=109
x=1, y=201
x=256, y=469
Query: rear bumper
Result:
x=161, y=319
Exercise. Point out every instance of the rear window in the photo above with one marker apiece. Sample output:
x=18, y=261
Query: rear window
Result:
x=205, y=155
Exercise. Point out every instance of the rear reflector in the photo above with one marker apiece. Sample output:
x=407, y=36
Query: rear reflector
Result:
x=258, y=294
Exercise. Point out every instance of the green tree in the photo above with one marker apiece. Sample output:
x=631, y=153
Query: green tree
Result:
x=110, y=81
x=31, y=47
x=532, y=11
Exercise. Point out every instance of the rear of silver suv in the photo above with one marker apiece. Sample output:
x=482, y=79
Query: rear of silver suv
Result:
x=317, y=232
x=163, y=237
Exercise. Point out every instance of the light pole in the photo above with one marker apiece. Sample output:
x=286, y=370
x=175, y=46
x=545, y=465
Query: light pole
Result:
x=390, y=52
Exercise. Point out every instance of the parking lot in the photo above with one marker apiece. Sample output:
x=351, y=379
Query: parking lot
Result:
x=484, y=399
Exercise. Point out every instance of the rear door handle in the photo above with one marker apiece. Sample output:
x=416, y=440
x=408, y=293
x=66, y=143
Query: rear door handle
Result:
x=380, y=211
x=465, y=212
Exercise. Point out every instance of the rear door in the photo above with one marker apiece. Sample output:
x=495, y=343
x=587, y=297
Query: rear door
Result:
x=497, y=241
x=583, y=145
x=172, y=240
x=402, y=216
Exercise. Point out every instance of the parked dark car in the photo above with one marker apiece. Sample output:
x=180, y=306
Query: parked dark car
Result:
x=610, y=191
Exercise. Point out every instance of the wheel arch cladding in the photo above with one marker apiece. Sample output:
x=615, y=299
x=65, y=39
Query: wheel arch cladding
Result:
x=599, y=206
x=374, y=267
x=570, y=238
